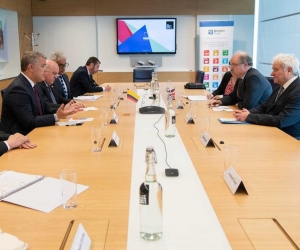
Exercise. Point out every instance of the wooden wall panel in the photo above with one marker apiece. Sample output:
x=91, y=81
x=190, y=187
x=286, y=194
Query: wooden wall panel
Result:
x=139, y=7
x=225, y=7
x=24, y=7
x=25, y=26
x=9, y=4
x=3, y=85
x=145, y=7
x=109, y=77
x=64, y=7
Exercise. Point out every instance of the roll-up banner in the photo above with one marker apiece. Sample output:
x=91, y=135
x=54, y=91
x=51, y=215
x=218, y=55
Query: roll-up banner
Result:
x=216, y=44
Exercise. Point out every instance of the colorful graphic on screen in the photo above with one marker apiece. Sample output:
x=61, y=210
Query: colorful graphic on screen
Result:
x=146, y=36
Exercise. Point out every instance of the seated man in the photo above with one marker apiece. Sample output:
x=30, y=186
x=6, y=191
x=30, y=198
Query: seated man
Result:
x=282, y=109
x=61, y=83
x=251, y=90
x=50, y=92
x=24, y=106
x=8, y=142
x=82, y=80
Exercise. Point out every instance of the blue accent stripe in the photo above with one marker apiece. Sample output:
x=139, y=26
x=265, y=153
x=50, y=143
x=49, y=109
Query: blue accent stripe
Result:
x=215, y=23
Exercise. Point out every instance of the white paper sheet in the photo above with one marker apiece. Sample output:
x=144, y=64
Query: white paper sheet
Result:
x=44, y=195
x=87, y=97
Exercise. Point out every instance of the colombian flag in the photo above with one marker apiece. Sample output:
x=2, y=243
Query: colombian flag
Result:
x=132, y=96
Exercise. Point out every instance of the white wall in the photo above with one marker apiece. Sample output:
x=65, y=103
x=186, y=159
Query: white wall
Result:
x=10, y=56
x=74, y=36
x=96, y=36
x=278, y=31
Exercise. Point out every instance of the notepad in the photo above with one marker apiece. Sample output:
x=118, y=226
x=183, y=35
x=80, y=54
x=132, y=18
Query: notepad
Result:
x=87, y=97
x=230, y=121
x=33, y=191
x=11, y=182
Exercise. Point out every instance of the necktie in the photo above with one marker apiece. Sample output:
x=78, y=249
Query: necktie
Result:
x=63, y=86
x=280, y=91
x=51, y=95
x=38, y=100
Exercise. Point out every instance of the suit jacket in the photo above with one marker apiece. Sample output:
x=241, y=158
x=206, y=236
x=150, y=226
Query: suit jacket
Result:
x=20, y=109
x=57, y=85
x=225, y=80
x=253, y=91
x=81, y=83
x=283, y=114
x=3, y=146
x=59, y=99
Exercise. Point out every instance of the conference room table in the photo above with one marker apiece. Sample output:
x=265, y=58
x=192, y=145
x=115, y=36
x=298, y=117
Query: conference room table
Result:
x=268, y=217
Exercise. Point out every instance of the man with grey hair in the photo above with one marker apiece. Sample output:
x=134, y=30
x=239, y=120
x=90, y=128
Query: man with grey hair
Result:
x=251, y=89
x=282, y=109
x=61, y=83
x=24, y=106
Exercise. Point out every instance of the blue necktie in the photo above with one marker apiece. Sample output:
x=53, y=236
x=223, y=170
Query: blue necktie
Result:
x=63, y=86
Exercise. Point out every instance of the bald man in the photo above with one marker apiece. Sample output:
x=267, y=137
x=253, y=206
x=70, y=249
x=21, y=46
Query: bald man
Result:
x=51, y=73
x=251, y=89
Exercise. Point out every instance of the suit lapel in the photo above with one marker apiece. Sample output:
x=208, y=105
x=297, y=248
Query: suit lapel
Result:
x=30, y=90
x=282, y=96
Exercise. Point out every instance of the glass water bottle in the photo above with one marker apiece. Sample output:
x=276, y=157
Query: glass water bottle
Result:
x=150, y=201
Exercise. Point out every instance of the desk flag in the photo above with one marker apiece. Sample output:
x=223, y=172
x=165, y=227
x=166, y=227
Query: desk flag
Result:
x=132, y=96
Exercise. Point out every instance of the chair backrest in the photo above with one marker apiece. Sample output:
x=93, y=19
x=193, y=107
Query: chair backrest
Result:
x=2, y=92
x=142, y=75
x=199, y=76
x=271, y=80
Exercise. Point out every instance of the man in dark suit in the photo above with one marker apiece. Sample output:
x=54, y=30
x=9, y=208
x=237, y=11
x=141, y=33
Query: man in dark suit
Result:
x=282, y=109
x=61, y=83
x=251, y=90
x=51, y=93
x=8, y=142
x=24, y=106
x=82, y=80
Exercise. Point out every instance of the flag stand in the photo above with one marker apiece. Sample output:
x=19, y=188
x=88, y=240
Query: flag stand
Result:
x=127, y=108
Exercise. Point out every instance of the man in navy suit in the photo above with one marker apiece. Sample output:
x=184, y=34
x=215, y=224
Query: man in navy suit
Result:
x=24, y=106
x=82, y=80
x=8, y=142
x=61, y=83
x=251, y=89
x=282, y=109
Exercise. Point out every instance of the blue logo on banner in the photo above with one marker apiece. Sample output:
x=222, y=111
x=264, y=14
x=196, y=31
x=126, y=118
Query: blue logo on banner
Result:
x=210, y=32
x=225, y=60
x=215, y=84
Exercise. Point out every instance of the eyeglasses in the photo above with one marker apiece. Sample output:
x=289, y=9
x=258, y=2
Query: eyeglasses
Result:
x=234, y=64
x=63, y=65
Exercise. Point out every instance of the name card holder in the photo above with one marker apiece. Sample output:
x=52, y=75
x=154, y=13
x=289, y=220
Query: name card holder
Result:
x=234, y=181
x=114, y=142
x=114, y=119
x=82, y=240
x=189, y=119
x=206, y=140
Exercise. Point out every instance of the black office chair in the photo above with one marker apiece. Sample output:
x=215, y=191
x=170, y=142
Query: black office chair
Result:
x=2, y=92
x=199, y=76
x=271, y=80
x=142, y=75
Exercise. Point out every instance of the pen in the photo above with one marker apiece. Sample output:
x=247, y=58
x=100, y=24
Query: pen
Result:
x=62, y=246
x=74, y=124
x=102, y=144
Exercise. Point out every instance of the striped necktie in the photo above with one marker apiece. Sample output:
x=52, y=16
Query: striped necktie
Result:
x=63, y=86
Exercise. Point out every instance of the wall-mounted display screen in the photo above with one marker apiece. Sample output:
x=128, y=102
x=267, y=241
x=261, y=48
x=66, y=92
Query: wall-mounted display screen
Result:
x=146, y=35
